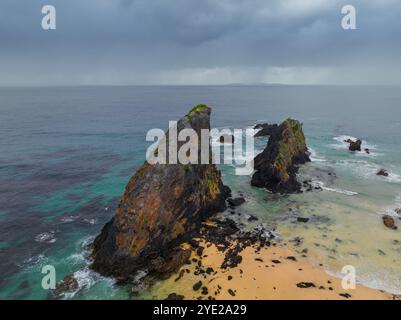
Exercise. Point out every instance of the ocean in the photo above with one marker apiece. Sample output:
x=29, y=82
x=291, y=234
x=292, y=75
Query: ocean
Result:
x=66, y=154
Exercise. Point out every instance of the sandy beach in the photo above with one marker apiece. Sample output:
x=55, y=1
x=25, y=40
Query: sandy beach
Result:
x=273, y=272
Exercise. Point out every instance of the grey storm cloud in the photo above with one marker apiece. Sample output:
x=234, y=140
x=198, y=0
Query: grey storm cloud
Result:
x=199, y=42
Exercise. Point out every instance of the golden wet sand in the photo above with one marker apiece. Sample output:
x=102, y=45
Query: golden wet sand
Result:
x=265, y=275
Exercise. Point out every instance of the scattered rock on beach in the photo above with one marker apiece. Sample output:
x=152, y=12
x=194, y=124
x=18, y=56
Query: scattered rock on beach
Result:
x=197, y=286
x=305, y=285
x=231, y=292
x=301, y=219
x=389, y=222
x=174, y=296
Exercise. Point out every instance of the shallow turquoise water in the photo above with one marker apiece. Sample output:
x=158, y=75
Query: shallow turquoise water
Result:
x=67, y=153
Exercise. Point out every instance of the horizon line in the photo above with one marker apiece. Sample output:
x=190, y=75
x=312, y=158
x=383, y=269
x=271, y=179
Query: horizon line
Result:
x=201, y=85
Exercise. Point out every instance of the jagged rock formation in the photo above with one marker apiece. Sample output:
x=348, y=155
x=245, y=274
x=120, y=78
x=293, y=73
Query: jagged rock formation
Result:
x=162, y=206
x=276, y=167
x=355, y=145
x=266, y=129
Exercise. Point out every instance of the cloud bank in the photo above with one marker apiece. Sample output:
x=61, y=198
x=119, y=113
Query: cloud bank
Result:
x=199, y=42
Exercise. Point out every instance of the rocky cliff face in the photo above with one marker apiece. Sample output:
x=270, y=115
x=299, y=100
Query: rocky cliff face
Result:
x=162, y=206
x=276, y=166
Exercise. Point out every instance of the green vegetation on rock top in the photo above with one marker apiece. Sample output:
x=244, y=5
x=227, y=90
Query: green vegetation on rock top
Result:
x=199, y=107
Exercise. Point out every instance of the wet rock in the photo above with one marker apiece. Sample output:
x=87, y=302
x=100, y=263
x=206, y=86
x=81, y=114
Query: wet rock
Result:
x=389, y=222
x=163, y=206
x=68, y=284
x=354, y=145
x=277, y=165
x=252, y=218
x=235, y=202
x=398, y=211
x=382, y=172
x=305, y=285
x=367, y=150
x=226, y=138
x=301, y=219
x=174, y=296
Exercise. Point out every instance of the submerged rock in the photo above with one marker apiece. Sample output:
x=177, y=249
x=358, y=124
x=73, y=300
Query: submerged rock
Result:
x=68, y=284
x=235, y=202
x=382, y=172
x=163, y=206
x=277, y=165
x=389, y=222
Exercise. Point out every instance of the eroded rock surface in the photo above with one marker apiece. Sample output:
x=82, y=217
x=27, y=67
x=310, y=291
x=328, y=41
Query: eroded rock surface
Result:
x=277, y=165
x=162, y=206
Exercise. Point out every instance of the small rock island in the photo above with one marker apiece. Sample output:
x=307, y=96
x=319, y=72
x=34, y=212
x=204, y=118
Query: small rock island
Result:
x=277, y=165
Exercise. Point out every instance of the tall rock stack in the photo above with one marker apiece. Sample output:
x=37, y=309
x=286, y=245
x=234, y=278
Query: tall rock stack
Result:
x=276, y=167
x=163, y=205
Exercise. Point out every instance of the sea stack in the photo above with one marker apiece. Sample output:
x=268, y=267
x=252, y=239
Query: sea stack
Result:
x=277, y=165
x=163, y=206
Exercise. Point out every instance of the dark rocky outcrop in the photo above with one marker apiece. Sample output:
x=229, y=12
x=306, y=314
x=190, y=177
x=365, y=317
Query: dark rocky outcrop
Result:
x=277, y=165
x=235, y=202
x=265, y=129
x=174, y=296
x=163, y=206
x=68, y=284
x=389, y=222
x=382, y=172
x=354, y=145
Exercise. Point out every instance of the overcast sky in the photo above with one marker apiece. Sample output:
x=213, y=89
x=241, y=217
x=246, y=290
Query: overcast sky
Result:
x=199, y=42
